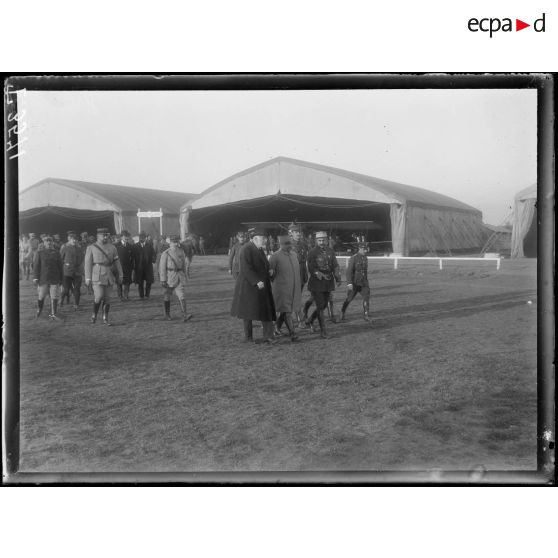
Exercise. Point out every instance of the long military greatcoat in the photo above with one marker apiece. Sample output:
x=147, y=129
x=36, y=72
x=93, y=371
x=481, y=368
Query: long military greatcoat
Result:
x=286, y=281
x=249, y=302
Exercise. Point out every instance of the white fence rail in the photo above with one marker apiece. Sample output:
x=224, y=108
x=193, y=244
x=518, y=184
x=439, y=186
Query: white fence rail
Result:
x=440, y=260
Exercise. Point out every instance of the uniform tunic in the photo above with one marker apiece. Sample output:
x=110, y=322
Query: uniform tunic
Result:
x=99, y=262
x=322, y=260
x=72, y=258
x=172, y=270
x=357, y=271
x=249, y=302
x=286, y=281
x=357, y=276
x=47, y=267
x=234, y=261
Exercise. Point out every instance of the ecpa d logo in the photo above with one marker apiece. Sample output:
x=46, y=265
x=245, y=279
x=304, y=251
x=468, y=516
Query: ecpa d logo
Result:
x=493, y=25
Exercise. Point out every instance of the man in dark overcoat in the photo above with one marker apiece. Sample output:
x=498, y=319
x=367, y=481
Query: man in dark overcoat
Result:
x=144, y=258
x=124, y=247
x=253, y=297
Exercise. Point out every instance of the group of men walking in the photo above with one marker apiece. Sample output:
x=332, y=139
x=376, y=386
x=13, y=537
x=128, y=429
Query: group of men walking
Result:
x=270, y=290
x=59, y=271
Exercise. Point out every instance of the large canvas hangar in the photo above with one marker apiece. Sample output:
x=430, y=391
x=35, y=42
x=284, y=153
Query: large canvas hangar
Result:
x=410, y=220
x=56, y=205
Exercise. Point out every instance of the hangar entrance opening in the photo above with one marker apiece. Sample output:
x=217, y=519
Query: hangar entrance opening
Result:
x=345, y=219
x=54, y=220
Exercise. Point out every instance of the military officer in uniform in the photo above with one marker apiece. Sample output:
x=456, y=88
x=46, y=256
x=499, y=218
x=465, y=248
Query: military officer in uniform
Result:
x=47, y=275
x=323, y=271
x=101, y=262
x=72, y=258
x=234, y=261
x=173, y=267
x=357, y=280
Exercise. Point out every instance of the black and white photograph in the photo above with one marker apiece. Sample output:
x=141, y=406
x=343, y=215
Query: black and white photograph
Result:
x=263, y=276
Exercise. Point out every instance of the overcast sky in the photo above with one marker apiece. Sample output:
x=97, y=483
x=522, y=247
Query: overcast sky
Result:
x=478, y=146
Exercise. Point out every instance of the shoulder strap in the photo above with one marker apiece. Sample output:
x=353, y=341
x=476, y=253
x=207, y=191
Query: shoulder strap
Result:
x=173, y=260
x=104, y=253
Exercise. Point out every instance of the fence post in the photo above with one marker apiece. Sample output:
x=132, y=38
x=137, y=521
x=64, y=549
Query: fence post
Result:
x=440, y=263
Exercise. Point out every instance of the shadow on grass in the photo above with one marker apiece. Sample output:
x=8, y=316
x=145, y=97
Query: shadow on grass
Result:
x=462, y=308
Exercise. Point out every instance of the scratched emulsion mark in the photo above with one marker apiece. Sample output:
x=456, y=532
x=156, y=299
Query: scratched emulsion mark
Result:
x=16, y=123
x=548, y=446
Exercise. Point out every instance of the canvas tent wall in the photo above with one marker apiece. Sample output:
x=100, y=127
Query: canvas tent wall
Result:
x=413, y=220
x=524, y=227
x=57, y=205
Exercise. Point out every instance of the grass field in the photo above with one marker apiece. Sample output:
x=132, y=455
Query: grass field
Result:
x=444, y=376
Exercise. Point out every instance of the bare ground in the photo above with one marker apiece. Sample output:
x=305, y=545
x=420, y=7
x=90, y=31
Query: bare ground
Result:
x=443, y=377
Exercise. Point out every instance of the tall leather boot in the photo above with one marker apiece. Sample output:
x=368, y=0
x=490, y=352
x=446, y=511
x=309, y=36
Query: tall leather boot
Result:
x=40, y=304
x=166, y=304
x=119, y=290
x=77, y=296
x=321, y=321
x=147, y=289
x=96, y=306
x=290, y=327
x=248, y=330
x=310, y=322
x=140, y=290
x=365, y=306
x=53, y=309
x=106, y=308
x=279, y=324
x=344, y=309
x=331, y=312
x=185, y=315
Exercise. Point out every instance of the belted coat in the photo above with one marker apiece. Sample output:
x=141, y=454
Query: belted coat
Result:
x=286, y=281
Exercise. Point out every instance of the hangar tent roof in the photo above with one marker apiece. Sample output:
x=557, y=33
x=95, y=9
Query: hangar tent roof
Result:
x=76, y=194
x=284, y=176
x=528, y=193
